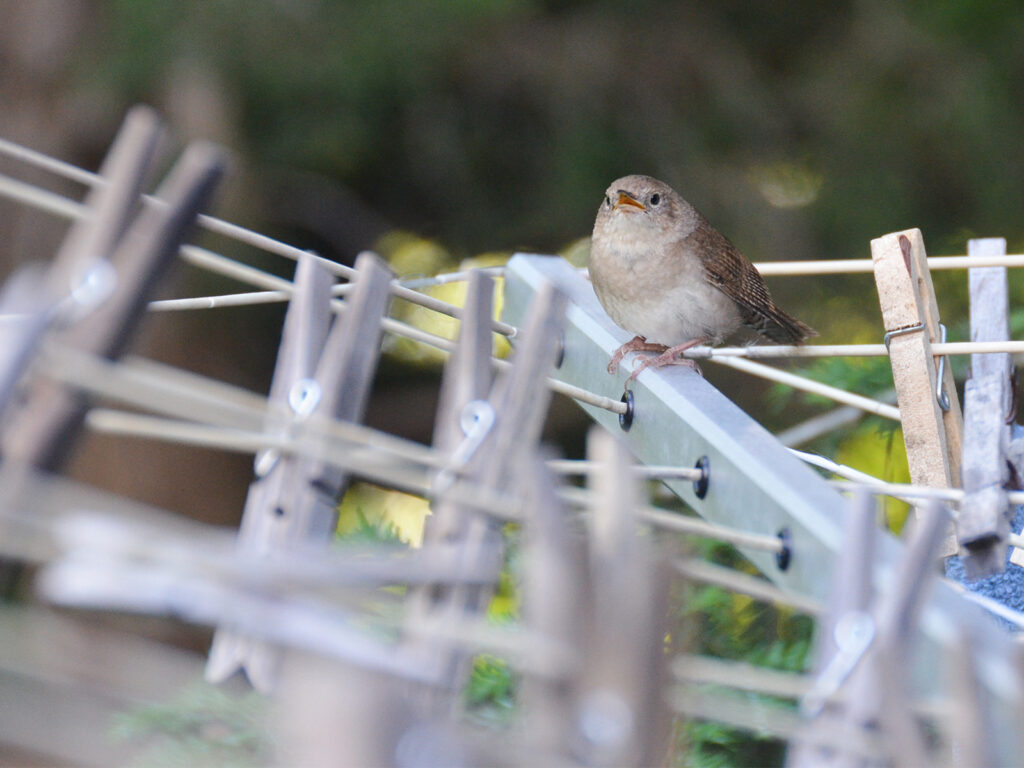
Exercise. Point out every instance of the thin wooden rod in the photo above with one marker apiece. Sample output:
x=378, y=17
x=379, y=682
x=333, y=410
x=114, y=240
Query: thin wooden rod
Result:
x=582, y=467
x=866, y=404
x=229, y=230
x=211, y=261
x=850, y=350
x=673, y=521
x=741, y=675
x=419, y=283
x=244, y=299
x=744, y=583
x=216, y=302
x=854, y=266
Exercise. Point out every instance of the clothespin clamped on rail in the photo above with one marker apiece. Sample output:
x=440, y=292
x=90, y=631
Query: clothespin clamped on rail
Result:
x=321, y=375
x=490, y=451
x=103, y=275
x=983, y=523
x=867, y=652
x=925, y=389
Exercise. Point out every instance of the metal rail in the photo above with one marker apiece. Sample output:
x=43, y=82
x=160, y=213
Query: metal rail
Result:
x=754, y=483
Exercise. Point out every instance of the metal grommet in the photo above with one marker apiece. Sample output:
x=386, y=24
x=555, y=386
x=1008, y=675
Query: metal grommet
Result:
x=560, y=355
x=700, y=485
x=626, y=419
x=784, y=555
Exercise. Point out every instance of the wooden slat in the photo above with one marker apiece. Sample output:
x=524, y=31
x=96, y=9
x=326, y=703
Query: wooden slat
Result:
x=347, y=368
x=983, y=522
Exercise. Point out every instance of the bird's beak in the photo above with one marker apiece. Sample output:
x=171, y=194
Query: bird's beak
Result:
x=625, y=199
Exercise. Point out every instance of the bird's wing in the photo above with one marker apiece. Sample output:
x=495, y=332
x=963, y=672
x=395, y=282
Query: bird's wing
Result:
x=729, y=271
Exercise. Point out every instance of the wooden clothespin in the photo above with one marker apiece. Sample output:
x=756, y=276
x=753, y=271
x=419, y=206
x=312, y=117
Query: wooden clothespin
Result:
x=847, y=629
x=105, y=272
x=31, y=296
x=621, y=683
x=499, y=435
x=302, y=342
x=467, y=378
x=468, y=374
x=320, y=376
x=463, y=421
x=554, y=576
x=877, y=699
x=983, y=522
x=970, y=736
x=925, y=389
x=27, y=308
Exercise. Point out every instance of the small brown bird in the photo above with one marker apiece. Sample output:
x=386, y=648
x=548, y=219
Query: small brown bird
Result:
x=663, y=273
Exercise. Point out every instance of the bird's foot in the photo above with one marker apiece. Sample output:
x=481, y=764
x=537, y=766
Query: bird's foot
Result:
x=638, y=344
x=671, y=356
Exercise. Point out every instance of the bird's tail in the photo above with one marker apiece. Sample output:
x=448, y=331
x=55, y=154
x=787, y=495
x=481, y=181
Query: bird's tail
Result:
x=782, y=328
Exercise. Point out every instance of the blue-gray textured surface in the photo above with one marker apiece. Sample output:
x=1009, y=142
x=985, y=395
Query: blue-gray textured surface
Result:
x=1006, y=587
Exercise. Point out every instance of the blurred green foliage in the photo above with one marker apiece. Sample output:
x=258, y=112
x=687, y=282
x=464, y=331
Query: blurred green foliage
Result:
x=202, y=726
x=498, y=123
x=490, y=694
x=723, y=624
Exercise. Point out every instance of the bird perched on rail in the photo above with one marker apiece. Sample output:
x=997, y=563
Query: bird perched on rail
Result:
x=662, y=272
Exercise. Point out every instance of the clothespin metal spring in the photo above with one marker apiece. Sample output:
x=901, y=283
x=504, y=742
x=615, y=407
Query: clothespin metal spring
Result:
x=940, y=393
x=476, y=420
x=853, y=634
x=303, y=398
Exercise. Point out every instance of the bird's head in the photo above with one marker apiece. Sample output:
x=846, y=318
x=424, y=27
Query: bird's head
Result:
x=635, y=201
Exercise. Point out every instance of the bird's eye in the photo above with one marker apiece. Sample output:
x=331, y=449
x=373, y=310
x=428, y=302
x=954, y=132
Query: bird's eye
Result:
x=655, y=198
x=607, y=200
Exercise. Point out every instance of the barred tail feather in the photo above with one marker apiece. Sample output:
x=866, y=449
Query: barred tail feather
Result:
x=781, y=328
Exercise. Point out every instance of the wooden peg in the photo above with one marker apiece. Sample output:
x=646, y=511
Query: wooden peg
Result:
x=296, y=503
x=983, y=522
x=520, y=396
x=468, y=373
x=467, y=377
x=968, y=725
x=518, y=404
x=877, y=698
x=261, y=530
x=555, y=574
x=852, y=593
x=623, y=673
x=932, y=435
x=111, y=203
x=345, y=375
x=109, y=296
x=33, y=294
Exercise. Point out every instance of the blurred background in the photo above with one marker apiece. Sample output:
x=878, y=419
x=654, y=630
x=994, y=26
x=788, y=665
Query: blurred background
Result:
x=438, y=131
x=454, y=129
